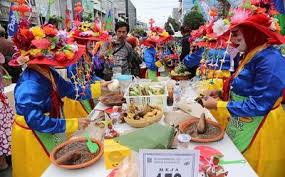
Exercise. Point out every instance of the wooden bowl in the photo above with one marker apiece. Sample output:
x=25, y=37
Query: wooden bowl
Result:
x=180, y=78
x=83, y=165
x=141, y=123
x=183, y=127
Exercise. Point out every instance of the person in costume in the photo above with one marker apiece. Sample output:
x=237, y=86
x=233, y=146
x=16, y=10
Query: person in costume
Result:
x=149, y=57
x=253, y=95
x=84, y=72
x=6, y=120
x=157, y=37
x=193, y=59
x=40, y=124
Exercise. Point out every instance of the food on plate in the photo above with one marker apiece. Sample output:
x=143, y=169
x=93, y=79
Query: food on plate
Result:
x=74, y=154
x=113, y=99
x=146, y=90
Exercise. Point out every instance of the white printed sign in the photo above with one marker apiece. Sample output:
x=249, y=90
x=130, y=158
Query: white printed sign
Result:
x=169, y=163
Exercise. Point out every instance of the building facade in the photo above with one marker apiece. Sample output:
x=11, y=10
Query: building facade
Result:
x=5, y=10
x=186, y=6
x=121, y=7
x=176, y=14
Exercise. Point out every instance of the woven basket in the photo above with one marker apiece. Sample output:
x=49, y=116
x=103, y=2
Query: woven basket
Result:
x=144, y=122
x=6, y=77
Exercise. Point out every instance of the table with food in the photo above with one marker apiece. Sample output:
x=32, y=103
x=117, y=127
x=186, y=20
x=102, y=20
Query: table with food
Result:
x=148, y=115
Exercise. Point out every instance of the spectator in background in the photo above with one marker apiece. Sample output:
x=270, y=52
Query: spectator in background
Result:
x=121, y=51
x=185, y=43
x=7, y=49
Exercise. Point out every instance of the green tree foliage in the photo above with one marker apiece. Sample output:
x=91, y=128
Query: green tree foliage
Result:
x=56, y=20
x=87, y=17
x=193, y=19
x=138, y=31
x=174, y=23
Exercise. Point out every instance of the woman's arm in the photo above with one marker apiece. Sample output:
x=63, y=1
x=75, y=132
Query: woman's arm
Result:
x=30, y=97
x=267, y=89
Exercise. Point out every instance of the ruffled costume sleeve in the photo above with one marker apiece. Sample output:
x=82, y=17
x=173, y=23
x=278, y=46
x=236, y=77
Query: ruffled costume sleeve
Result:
x=267, y=87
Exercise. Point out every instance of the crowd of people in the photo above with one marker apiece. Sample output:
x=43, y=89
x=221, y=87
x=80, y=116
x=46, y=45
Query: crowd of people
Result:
x=244, y=55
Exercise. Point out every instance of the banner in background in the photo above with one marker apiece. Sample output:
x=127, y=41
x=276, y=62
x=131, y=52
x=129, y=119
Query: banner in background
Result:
x=67, y=18
x=13, y=22
x=109, y=22
x=50, y=2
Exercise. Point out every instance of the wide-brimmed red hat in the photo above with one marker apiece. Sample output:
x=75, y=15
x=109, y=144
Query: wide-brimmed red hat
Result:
x=89, y=32
x=56, y=61
x=256, y=18
x=157, y=36
x=44, y=45
x=262, y=23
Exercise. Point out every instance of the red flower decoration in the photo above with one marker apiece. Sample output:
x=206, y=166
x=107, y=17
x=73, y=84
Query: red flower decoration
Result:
x=41, y=43
x=50, y=30
x=23, y=38
x=60, y=56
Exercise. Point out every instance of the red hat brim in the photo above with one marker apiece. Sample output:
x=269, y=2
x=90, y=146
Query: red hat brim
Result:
x=149, y=43
x=52, y=62
x=274, y=37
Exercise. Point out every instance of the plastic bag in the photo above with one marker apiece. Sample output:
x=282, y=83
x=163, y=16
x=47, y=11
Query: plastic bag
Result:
x=128, y=167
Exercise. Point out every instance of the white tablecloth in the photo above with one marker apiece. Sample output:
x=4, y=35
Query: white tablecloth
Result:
x=225, y=146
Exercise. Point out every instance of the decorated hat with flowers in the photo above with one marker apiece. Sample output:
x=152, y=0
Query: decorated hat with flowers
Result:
x=44, y=45
x=256, y=15
x=90, y=31
x=204, y=36
x=157, y=35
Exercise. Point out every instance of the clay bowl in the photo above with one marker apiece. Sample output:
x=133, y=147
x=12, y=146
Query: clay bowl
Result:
x=183, y=127
x=83, y=165
x=180, y=78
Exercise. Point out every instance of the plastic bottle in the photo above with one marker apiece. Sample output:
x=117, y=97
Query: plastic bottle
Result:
x=176, y=93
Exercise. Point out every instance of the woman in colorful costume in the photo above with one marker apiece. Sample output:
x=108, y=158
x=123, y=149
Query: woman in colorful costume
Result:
x=84, y=73
x=256, y=117
x=151, y=56
x=39, y=124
